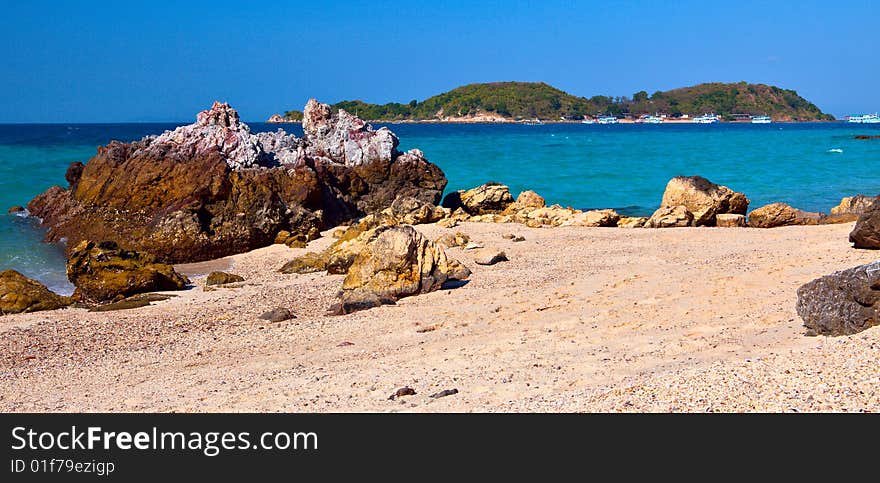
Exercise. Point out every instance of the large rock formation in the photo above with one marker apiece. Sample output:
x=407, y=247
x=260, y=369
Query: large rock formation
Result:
x=781, y=214
x=103, y=272
x=397, y=262
x=703, y=198
x=866, y=233
x=842, y=303
x=21, y=294
x=213, y=188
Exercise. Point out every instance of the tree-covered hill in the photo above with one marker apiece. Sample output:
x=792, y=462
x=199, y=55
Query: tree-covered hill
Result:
x=531, y=100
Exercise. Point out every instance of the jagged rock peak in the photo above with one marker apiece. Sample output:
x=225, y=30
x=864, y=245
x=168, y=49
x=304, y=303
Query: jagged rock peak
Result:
x=220, y=129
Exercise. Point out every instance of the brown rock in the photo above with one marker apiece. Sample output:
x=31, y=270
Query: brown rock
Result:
x=866, y=233
x=489, y=198
x=781, y=214
x=213, y=188
x=727, y=220
x=222, y=278
x=451, y=240
x=15, y=209
x=278, y=314
x=632, y=222
x=309, y=263
x=104, y=272
x=703, y=198
x=21, y=294
x=670, y=217
x=397, y=262
x=850, y=209
x=593, y=218
x=282, y=237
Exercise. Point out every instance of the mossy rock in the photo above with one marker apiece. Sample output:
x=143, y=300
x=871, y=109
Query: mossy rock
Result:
x=22, y=294
x=223, y=278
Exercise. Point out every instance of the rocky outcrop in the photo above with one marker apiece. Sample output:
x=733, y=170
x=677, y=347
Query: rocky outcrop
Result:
x=850, y=209
x=703, y=198
x=489, y=198
x=781, y=214
x=21, y=294
x=595, y=218
x=842, y=303
x=632, y=221
x=670, y=217
x=214, y=188
x=866, y=233
x=103, y=272
x=398, y=262
x=412, y=211
x=275, y=119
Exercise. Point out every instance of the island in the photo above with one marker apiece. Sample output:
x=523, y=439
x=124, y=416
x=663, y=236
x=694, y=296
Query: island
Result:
x=537, y=101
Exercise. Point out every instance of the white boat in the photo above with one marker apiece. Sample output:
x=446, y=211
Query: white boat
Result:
x=761, y=120
x=587, y=121
x=607, y=120
x=706, y=119
x=652, y=120
x=864, y=119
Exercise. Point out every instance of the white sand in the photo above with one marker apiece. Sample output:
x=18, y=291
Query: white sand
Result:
x=579, y=319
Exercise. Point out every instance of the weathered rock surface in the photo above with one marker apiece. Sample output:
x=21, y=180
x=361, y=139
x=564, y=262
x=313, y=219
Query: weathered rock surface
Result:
x=866, y=233
x=781, y=214
x=413, y=211
x=213, y=188
x=703, y=198
x=451, y=240
x=104, y=272
x=489, y=198
x=726, y=220
x=670, y=217
x=15, y=209
x=632, y=221
x=489, y=256
x=593, y=218
x=22, y=294
x=850, y=209
x=842, y=303
x=309, y=263
x=222, y=278
x=278, y=314
x=396, y=263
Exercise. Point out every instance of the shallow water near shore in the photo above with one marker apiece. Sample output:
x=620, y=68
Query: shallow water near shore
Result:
x=626, y=167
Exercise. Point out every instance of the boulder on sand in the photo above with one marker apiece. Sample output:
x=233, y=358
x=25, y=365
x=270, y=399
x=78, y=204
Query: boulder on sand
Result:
x=850, y=209
x=670, y=217
x=489, y=198
x=214, y=188
x=866, y=233
x=22, y=294
x=703, y=198
x=223, y=278
x=781, y=214
x=845, y=302
x=396, y=263
x=104, y=272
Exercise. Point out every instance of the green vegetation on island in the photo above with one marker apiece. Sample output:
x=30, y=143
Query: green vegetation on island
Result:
x=537, y=100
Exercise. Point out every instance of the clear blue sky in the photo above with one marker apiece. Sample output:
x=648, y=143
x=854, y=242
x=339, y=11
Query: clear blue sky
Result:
x=164, y=61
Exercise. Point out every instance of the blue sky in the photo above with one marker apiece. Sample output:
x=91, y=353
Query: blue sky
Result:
x=164, y=61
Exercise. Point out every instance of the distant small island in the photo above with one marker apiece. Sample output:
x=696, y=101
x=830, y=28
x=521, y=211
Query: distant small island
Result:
x=524, y=101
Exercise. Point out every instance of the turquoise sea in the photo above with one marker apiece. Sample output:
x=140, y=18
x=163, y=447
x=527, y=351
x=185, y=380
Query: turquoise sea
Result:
x=810, y=166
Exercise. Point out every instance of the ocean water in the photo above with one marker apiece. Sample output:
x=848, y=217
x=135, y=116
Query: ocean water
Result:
x=626, y=167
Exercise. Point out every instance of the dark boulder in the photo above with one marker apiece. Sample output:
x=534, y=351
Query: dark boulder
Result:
x=866, y=233
x=842, y=303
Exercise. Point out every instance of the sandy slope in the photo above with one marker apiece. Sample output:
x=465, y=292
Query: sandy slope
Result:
x=580, y=319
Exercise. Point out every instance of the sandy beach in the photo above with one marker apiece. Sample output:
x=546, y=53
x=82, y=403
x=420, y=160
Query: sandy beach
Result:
x=579, y=319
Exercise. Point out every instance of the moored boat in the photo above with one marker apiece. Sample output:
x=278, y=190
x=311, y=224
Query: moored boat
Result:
x=864, y=119
x=706, y=119
x=607, y=120
x=761, y=120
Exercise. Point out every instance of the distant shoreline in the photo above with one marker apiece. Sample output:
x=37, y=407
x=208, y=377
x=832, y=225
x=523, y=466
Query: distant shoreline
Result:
x=527, y=123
